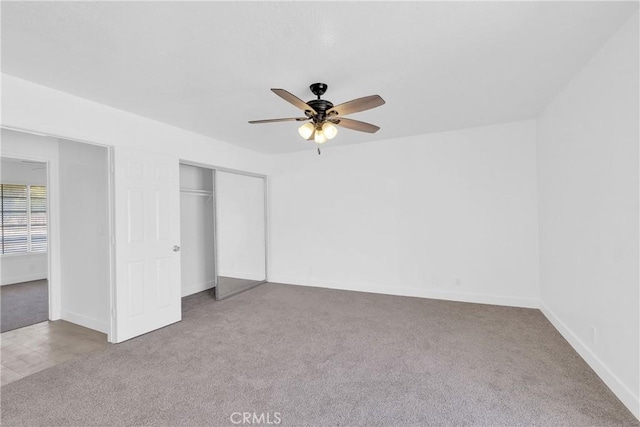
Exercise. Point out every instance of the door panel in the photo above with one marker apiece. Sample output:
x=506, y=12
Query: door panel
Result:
x=241, y=232
x=147, y=222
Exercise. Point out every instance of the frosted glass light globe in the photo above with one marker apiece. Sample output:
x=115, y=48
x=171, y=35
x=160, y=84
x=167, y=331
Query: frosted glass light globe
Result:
x=306, y=130
x=329, y=130
x=320, y=137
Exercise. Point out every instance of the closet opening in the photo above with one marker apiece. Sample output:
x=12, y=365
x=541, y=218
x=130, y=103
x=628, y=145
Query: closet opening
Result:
x=222, y=230
x=197, y=245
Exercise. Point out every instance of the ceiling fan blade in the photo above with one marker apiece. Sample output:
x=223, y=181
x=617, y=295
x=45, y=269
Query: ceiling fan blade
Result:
x=289, y=119
x=356, y=105
x=354, y=124
x=291, y=98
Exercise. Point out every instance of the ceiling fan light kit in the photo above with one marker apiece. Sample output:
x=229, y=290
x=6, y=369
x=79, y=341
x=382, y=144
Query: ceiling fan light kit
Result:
x=306, y=130
x=329, y=130
x=322, y=116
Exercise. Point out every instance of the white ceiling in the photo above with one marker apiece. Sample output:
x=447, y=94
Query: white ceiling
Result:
x=16, y=171
x=10, y=161
x=208, y=66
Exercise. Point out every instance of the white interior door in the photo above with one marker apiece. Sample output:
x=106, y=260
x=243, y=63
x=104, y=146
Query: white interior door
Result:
x=147, y=221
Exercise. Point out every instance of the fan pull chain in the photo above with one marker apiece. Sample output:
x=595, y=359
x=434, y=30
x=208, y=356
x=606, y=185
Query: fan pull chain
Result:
x=318, y=151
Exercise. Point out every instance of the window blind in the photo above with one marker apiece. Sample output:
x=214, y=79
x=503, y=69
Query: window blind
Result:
x=23, y=218
x=38, y=220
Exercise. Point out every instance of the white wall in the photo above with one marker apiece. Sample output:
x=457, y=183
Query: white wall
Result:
x=84, y=234
x=16, y=268
x=30, y=106
x=240, y=225
x=589, y=213
x=449, y=215
x=34, y=147
x=197, y=254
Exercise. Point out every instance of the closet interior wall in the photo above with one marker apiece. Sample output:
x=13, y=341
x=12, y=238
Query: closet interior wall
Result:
x=197, y=229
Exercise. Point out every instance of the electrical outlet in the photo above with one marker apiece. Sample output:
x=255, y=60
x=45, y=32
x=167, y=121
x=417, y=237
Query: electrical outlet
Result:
x=594, y=335
x=458, y=281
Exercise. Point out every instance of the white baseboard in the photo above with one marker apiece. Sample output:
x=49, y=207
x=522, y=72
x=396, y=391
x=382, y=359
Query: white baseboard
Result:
x=412, y=292
x=24, y=278
x=623, y=393
x=194, y=288
x=87, y=322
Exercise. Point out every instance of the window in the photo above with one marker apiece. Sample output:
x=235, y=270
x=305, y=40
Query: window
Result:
x=23, y=218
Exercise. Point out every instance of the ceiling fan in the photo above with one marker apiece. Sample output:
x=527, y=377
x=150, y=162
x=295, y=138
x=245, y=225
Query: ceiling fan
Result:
x=322, y=116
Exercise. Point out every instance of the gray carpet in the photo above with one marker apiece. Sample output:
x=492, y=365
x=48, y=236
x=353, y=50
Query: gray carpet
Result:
x=323, y=357
x=23, y=304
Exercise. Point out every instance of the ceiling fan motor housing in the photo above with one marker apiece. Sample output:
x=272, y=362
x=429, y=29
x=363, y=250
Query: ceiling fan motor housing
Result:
x=321, y=106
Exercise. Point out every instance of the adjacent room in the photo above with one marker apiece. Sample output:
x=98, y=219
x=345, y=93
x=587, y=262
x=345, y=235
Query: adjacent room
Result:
x=320, y=213
x=23, y=197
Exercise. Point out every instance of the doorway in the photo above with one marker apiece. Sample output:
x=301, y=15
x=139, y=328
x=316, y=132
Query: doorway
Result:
x=70, y=223
x=24, y=288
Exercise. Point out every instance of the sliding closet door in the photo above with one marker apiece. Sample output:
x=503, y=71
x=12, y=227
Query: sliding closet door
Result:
x=240, y=229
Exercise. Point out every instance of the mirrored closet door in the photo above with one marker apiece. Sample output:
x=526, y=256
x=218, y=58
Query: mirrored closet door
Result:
x=240, y=232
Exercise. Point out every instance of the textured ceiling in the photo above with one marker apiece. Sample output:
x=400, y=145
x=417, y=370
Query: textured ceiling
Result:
x=208, y=67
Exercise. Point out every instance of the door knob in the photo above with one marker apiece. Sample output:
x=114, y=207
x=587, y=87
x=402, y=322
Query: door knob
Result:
x=176, y=248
